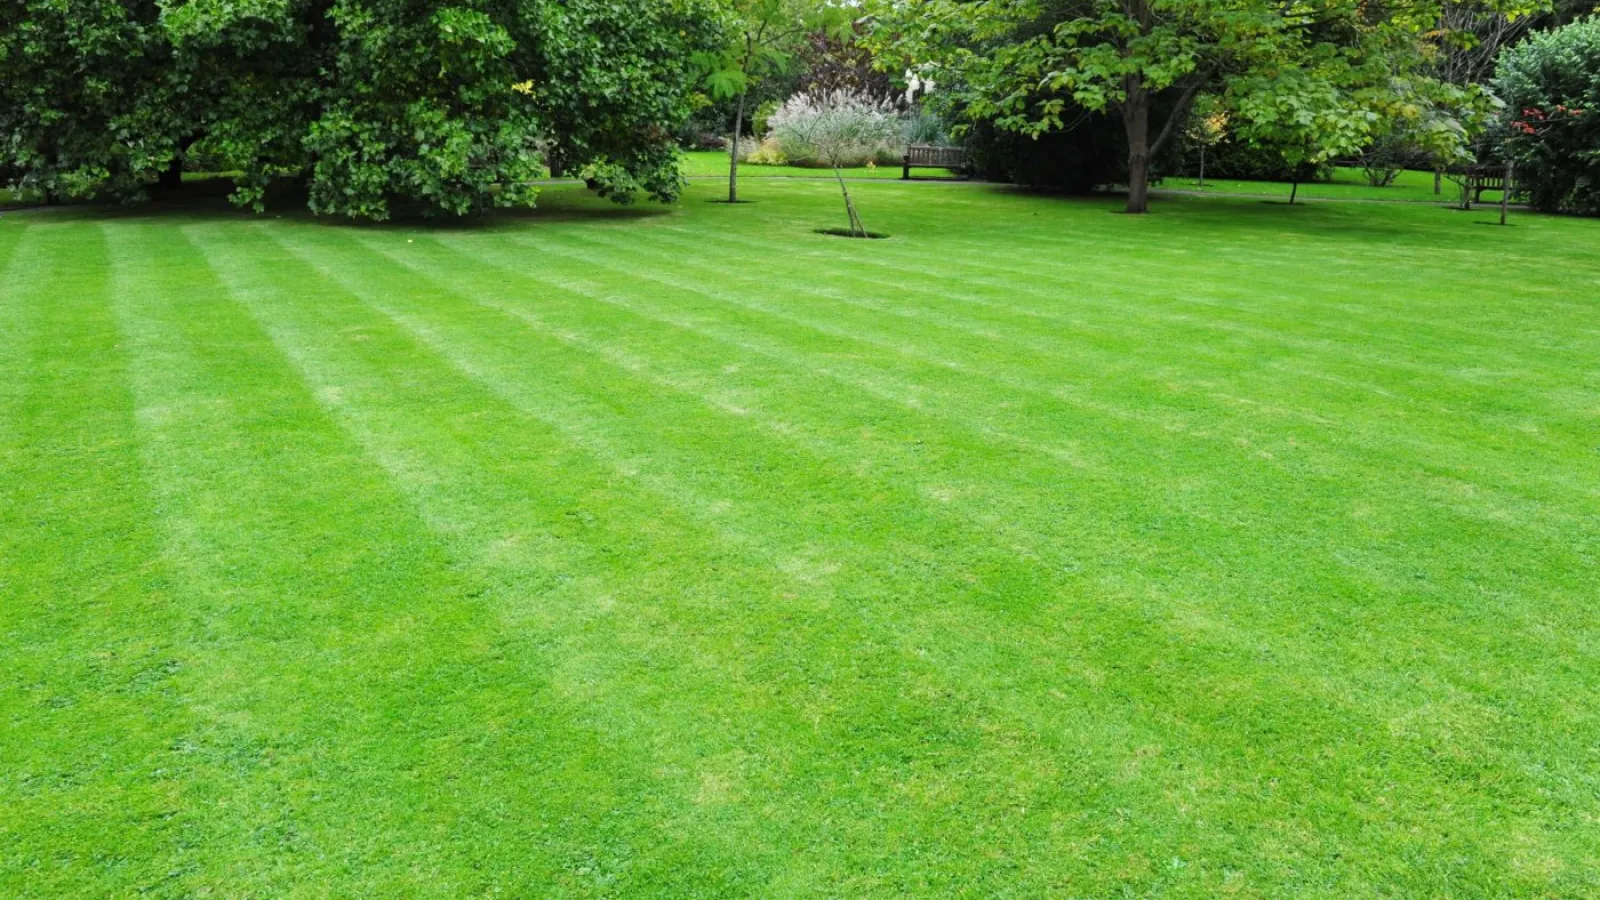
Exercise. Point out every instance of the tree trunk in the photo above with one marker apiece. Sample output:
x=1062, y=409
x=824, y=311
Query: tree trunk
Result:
x=1294, y=188
x=733, y=151
x=1136, y=113
x=1136, y=121
x=1438, y=182
x=1202, y=182
x=1505, y=195
x=172, y=178
x=856, y=228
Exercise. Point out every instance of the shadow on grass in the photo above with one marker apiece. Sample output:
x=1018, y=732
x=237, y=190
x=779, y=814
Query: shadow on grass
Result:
x=207, y=201
x=1223, y=214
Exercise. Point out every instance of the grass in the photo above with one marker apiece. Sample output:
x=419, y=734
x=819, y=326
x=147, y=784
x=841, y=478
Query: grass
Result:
x=1346, y=184
x=714, y=164
x=1235, y=550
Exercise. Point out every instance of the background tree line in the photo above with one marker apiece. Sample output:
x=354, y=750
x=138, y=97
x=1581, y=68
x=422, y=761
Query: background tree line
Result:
x=1080, y=93
x=461, y=106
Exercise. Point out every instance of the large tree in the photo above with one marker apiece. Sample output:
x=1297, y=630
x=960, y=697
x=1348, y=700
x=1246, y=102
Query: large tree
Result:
x=451, y=106
x=1312, y=77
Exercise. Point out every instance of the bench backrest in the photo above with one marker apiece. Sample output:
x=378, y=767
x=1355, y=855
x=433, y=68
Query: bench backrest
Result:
x=936, y=157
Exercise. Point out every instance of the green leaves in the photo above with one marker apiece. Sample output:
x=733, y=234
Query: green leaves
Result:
x=450, y=107
x=1551, y=88
x=763, y=38
x=1298, y=73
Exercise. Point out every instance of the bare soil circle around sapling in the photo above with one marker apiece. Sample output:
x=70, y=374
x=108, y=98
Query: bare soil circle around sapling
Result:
x=847, y=233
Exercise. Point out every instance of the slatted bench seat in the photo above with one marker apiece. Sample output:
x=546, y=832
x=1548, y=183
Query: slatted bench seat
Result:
x=927, y=156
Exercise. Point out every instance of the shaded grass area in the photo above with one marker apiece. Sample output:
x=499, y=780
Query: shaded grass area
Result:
x=1346, y=184
x=679, y=552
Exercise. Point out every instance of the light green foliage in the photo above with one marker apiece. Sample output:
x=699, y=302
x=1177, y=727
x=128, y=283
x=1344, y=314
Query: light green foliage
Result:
x=764, y=39
x=1238, y=552
x=763, y=115
x=1334, y=101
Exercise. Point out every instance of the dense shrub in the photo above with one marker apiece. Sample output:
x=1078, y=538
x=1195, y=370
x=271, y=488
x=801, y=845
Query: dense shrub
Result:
x=765, y=153
x=1092, y=153
x=1076, y=160
x=1240, y=160
x=1551, y=87
x=443, y=107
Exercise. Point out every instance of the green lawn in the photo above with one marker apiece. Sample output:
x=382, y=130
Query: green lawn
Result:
x=1346, y=184
x=1235, y=550
x=707, y=164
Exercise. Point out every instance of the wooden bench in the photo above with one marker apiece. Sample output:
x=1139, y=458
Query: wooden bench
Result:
x=1487, y=178
x=927, y=156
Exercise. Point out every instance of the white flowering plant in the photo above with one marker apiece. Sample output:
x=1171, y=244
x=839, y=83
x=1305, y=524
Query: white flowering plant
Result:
x=838, y=129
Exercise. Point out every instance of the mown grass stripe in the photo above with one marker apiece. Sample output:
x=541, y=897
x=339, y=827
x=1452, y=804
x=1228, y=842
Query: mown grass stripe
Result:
x=18, y=313
x=631, y=367
x=1372, y=565
x=794, y=363
x=446, y=326
x=1074, y=296
x=310, y=619
x=1206, y=252
x=1179, y=411
x=373, y=242
x=625, y=587
x=802, y=663
x=93, y=801
x=1426, y=387
x=526, y=526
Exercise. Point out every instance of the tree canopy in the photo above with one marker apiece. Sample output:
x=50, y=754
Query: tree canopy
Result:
x=1313, y=79
x=765, y=37
x=452, y=106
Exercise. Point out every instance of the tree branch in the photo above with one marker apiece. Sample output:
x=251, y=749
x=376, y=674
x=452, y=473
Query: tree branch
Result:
x=1181, y=109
